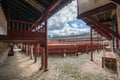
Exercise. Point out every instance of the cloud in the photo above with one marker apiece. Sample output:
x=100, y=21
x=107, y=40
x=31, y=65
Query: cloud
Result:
x=64, y=22
x=74, y=25
x=81, y=25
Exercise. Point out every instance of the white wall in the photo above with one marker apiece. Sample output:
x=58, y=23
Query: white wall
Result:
x=3, y=23
x=87, y=5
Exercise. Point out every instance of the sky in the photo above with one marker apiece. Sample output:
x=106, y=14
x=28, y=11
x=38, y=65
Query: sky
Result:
x=65, y=22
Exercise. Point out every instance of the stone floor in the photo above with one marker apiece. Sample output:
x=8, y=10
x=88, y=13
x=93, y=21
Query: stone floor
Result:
x=21, y=67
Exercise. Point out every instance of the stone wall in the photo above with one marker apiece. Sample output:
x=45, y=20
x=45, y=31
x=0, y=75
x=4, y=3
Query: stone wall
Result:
x=4, y=49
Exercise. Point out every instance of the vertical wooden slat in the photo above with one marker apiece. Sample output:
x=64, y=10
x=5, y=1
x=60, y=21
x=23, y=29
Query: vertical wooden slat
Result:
x=46, y=50
x=91, y=44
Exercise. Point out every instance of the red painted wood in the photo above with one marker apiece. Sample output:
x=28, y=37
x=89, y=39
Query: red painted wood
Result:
x=3, y=37
x=46, y=48
x=59, y=48
x=45, y=15
x=21, y=21
x=91, y=44
x=99, y=10
x=103, y=27
x=103, y=33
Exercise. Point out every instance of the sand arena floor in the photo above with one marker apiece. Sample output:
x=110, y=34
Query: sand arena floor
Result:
x=21, y=67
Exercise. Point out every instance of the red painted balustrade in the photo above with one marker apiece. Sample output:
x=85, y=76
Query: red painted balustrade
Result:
x=61, y=48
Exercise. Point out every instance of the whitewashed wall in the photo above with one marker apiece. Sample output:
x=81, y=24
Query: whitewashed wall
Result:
x=3, y=23
x=87, y=5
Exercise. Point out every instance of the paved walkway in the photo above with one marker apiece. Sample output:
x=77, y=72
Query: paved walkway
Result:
x=21, y=67
x=18, y=67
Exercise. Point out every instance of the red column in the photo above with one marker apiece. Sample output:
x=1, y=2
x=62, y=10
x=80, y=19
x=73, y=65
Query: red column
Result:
x=46, y=52
x=91, y=44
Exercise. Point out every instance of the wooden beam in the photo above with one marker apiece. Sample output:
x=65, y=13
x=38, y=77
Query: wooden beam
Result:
x=6, y=37
x=21, y=21
x=116, y=1
x=99, y=10
x=91, y=41
x=46, y=48
x=102, y=32
x=103, y=27
x=90, y=24
x=45, y=15
x=36, y=5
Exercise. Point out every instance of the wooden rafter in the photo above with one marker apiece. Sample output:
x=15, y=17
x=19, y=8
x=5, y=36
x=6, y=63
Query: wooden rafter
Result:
x=45, y=15
x=99, y=10
x=37, y=6
x=103, y=33
x=103, y=27
x=116, y=1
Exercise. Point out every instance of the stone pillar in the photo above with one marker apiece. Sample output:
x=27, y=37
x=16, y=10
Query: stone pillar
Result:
x=118, y=51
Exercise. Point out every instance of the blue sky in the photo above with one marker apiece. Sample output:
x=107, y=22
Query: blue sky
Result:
x=65, y=22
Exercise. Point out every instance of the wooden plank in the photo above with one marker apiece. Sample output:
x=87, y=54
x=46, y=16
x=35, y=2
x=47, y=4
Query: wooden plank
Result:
x=91, y=42
x=20, y=38
x=45, y=15
x=102, y=32
x=116, y=1
x=99, y=10
x=103, y=27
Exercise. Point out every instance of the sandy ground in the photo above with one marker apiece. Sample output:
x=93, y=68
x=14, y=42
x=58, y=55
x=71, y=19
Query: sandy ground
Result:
x=21, y=67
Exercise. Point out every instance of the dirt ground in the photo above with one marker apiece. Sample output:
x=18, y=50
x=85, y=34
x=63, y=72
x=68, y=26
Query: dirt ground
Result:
x=21, y=67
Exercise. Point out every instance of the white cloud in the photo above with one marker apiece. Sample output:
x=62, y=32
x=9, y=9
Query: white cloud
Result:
x=81, y=25
x=74, y=25
x=58, y=23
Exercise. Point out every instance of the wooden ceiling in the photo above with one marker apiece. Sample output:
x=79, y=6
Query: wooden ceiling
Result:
x=31, y=10
x=102, y=19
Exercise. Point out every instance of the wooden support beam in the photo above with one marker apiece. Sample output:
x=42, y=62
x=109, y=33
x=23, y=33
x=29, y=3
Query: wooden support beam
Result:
x=45, y=15
x=103, y=27
x=21, y=21
x=101, y=32
x=46, y=48
x=3, y=37
x=116, y=1
x=91, y=44
x=99, y=10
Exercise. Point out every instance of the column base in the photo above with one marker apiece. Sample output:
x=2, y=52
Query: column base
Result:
x=41, y=68
x=45, y=69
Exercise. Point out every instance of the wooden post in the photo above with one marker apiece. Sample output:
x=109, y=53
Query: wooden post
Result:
x=117, y=40
x=91, y=44
x=113, y=38
x=97, y=42
x=13, y=25
x=8, y=21
x=46, y=52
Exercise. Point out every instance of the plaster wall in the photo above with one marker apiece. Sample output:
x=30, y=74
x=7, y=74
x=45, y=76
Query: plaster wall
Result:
x=3, y=23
